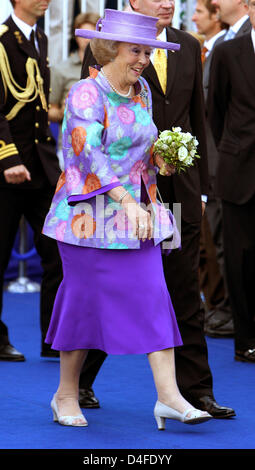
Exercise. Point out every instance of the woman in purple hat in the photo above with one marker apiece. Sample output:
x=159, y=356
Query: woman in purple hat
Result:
x=109, y=224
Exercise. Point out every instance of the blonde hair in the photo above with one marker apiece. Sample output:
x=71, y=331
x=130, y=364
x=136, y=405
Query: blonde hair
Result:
x=83, y=18
x=104, y=50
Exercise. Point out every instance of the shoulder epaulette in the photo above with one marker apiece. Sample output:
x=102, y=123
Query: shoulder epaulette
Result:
x=23, y=95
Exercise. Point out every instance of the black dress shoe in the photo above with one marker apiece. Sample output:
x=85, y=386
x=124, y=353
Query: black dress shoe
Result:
x=87, y=398
x=245, y=356
x=208, y=404
x=9, y=353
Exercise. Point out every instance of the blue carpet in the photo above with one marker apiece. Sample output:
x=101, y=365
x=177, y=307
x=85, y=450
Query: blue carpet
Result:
x=126, y=392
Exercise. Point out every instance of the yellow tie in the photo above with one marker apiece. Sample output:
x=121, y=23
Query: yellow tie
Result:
x=160, y=65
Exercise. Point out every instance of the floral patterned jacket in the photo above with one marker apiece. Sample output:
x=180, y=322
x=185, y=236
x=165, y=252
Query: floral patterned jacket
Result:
x=107, y=142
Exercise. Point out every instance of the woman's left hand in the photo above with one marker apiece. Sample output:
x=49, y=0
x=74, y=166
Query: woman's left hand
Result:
x=165, y=168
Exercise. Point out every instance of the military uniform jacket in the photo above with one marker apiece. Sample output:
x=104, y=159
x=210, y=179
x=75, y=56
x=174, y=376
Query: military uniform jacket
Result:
x=25, y=136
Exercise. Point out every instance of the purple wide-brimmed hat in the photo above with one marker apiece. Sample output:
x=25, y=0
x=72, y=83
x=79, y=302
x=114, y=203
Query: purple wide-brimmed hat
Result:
x=125, y=26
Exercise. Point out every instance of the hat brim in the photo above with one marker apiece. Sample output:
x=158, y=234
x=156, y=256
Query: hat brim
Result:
x=86, y=33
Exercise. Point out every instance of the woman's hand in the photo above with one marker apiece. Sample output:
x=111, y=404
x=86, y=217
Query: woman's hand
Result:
x=165, y=168
x=140, y=219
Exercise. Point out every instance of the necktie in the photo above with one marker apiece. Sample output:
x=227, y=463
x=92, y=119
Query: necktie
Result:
x=32, y=42
x=203, y=54
x=229, y=35
x=160, y=65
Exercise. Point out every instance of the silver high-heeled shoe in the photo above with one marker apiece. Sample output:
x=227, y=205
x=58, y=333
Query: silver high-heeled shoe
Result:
x=78, y=420
x=161, y=412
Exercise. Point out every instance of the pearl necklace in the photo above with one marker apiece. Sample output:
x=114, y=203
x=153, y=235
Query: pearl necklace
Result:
x=124, y=95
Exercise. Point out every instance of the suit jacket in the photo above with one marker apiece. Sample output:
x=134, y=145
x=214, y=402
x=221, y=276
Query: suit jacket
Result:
x=26, y=137
x=182, y=105
x=231, y=108
x=213, y=156
x=245, y=28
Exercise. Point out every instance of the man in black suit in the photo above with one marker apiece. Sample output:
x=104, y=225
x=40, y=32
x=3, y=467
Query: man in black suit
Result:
x=218, y=318
x=182, y=105
x=29, y=166
x=231, y=107
x=218, y=315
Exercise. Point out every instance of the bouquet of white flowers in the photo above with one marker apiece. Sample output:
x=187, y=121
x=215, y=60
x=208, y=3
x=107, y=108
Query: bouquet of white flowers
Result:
x=177, y=148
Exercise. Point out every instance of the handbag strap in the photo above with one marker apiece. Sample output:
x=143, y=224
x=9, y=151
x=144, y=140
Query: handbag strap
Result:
x=159, y=195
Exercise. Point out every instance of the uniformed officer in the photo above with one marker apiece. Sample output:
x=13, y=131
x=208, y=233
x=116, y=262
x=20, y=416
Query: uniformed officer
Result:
x=29, y=167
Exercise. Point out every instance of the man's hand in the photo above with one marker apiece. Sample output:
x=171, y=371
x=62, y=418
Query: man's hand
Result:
x=203, y=207
x=17, y=174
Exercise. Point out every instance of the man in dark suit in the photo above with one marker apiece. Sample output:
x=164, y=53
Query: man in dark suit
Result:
x=29, y=166
x=218, y=315
x=218, y=318
x=182, y=105
x=231, y=108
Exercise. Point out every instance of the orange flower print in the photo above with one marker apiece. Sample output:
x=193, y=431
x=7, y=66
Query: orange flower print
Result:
x=92, y=183
x=83, y=226
x=152, y=192
x=106, y=119
x=61, y=181
x=138, y=99
x=93, y=73
x=78, y=139
x=151, y=161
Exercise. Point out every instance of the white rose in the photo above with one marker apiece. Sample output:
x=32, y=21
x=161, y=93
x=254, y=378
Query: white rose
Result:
x=169, y=140
x=187, y=137
x=182, y=153
x=177, y=129
x=164, y=134
x=189, y=161
x=164, y=139
x=164, y=147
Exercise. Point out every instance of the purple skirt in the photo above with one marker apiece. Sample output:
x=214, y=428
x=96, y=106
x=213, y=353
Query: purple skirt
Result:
x=113, y=300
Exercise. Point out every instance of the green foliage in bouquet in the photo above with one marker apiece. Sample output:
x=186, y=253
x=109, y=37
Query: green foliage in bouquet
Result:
x=177, y=148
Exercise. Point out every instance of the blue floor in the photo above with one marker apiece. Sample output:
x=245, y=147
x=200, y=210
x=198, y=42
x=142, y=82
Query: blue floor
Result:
x=126, y=392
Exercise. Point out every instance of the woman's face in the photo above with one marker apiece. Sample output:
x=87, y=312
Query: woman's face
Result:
x=131, y=61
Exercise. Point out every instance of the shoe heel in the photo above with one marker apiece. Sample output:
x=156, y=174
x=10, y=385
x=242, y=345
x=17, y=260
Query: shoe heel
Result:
x=55, y=418
x=54, y=411
x=161, y=422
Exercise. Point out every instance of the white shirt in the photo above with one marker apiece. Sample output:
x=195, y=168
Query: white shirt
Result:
x=253, y=38
x=161, y=37
x=25, y=28
x=210, y=42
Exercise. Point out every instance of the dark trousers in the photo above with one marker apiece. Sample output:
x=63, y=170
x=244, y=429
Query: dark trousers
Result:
x=239, y=251
x=34, y=205
x=181, y=270
x=91, y=367
x=211, y=280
